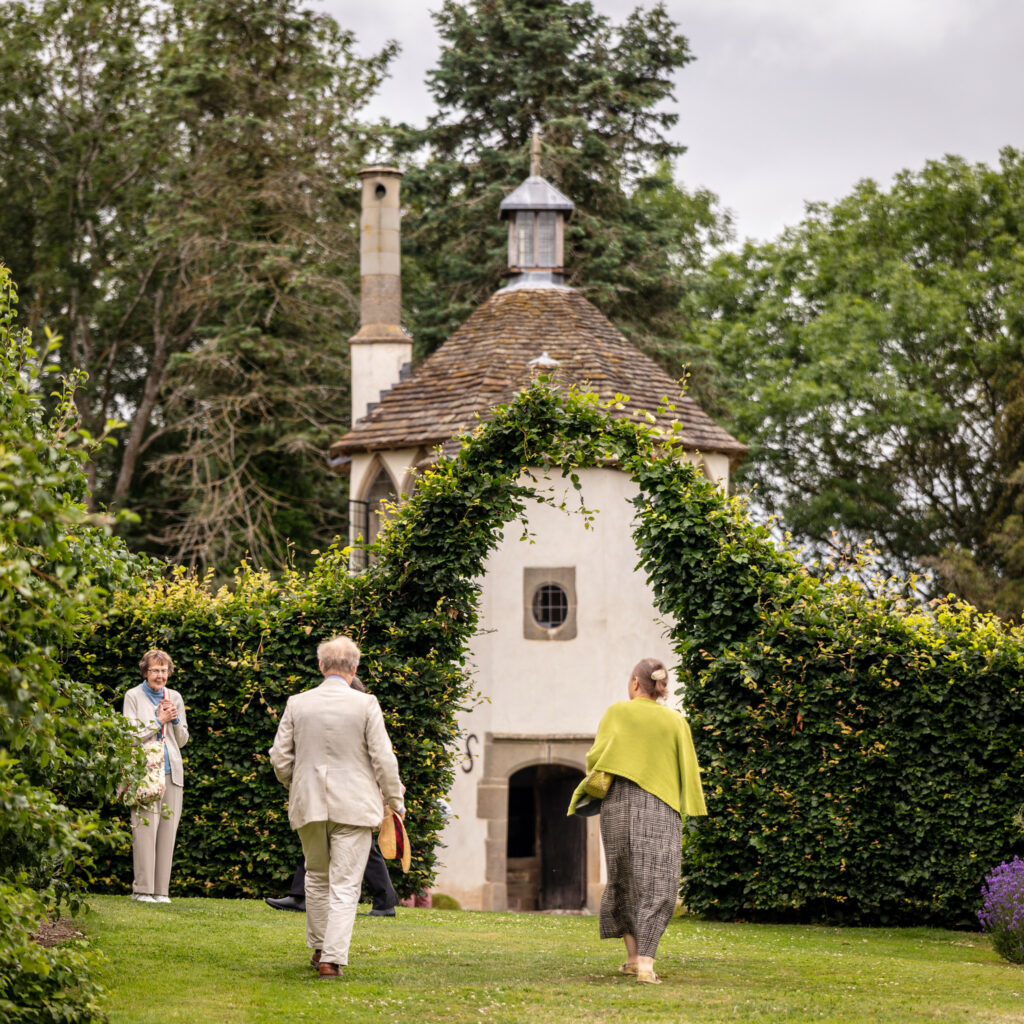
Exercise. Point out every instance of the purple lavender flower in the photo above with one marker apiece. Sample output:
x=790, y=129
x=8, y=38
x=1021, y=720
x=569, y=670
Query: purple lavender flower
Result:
x=1002, y=912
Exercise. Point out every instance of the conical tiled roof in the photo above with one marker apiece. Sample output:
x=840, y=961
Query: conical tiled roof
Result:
x=486, y=363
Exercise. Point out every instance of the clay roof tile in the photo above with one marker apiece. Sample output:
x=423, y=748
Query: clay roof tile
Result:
x=486, y=362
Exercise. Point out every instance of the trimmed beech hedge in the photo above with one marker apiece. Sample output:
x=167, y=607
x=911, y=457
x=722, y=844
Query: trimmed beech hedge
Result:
x=239, y=654
x=863, y=760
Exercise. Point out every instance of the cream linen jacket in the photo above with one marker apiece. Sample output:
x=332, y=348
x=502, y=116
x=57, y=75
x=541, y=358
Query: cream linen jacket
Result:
x=139, y=710
x=333, y=752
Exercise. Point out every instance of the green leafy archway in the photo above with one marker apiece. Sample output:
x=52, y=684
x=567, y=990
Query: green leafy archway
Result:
x=241, y=652
x=847, y=769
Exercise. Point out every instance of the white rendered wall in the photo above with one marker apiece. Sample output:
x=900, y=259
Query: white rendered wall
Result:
x=564, y=686
x=376, y=367
x=717, y=469
x=551, y=687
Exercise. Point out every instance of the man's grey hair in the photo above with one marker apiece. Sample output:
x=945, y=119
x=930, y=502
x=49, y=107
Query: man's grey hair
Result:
x=339, y=654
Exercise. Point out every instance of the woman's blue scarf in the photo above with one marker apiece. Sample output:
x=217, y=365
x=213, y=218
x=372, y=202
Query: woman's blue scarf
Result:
x=155, y=696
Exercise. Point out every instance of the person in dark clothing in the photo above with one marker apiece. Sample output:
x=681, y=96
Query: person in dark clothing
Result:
x=376, y=876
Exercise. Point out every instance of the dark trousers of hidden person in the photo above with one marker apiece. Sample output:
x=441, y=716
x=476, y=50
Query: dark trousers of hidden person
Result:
x=376, y=877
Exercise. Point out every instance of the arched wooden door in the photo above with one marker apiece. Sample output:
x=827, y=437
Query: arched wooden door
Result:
x=547, y=851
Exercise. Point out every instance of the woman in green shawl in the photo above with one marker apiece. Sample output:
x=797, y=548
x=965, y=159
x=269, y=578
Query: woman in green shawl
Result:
x=647, y=750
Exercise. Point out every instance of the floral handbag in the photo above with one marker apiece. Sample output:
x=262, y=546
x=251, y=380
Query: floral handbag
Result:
x=151, y=786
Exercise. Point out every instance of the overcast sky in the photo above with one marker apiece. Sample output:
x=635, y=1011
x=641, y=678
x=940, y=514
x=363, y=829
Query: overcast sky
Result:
x=792, y=100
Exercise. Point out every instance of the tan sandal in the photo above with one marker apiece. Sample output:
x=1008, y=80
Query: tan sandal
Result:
x=647, y=978
x=628, y=968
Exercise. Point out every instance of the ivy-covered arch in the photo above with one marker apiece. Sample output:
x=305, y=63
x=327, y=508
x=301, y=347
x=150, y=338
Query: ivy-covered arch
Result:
x=420, y=596
x=240, y=652
x=862, y=759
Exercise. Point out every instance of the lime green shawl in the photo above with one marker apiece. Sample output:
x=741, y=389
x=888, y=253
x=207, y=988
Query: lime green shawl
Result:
x=651, y=745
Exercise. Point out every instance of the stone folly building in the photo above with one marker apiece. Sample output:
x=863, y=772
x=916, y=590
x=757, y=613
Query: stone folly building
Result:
x=564, y=616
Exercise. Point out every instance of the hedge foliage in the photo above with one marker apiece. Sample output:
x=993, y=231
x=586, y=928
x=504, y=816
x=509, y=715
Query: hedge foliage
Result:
x=239, y=653
x=862, y=758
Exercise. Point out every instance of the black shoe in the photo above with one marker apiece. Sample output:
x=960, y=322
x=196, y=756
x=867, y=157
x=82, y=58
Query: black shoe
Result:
x=295, y=903
x=386, y=912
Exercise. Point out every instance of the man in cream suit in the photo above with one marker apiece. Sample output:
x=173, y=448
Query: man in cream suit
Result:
x=333, y=752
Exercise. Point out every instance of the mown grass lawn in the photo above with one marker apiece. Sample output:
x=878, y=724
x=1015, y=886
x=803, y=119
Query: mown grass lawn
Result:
x=239, y=962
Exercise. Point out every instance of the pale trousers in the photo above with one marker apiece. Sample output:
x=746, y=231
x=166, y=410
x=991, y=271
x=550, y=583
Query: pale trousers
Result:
x=154, y=829
x=335, y=861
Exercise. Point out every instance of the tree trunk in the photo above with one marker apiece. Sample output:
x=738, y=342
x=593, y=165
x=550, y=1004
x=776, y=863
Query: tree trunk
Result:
x=150, y=395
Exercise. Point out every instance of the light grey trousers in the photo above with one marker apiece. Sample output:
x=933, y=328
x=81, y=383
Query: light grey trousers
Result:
x=335, y=861
x=154, y=829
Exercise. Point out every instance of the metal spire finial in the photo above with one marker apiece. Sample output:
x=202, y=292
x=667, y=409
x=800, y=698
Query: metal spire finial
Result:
x=535, y=155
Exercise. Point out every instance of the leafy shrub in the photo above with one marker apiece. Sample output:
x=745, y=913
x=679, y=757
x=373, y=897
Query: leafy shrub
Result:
x=40, y=985
x=1002, y=912
x=62, y=750
x=442, y=901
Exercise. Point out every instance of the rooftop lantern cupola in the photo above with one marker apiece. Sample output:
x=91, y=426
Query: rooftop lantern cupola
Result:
x=536, y=214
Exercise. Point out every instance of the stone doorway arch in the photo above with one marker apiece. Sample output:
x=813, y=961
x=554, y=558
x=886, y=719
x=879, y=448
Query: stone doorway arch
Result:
x=545, y=765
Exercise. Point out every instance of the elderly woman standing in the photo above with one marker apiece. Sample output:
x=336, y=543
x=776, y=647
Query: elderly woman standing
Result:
x=647, y=750
x=158, y=713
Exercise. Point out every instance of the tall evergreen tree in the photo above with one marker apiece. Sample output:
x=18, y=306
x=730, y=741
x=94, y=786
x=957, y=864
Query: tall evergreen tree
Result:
x=598, y=93
x=268, y=201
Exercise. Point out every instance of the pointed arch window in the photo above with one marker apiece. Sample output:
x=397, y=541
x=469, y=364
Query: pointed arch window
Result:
x=368, y=515
x=381, y=494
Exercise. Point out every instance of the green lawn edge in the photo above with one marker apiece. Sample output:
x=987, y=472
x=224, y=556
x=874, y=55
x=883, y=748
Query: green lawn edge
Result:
x=240, y=962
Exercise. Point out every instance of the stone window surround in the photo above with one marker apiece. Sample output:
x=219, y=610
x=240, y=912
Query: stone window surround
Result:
x=371, y=475
x=533, y=578
x=503, y=755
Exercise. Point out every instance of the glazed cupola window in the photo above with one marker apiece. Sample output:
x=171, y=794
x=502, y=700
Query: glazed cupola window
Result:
x=536, y=213
x=534, y=241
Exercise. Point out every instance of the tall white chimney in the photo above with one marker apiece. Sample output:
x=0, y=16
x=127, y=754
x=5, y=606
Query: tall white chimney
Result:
x=381, y=348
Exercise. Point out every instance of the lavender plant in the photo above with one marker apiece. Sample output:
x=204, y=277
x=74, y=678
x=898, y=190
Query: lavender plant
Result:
x=1002, y=912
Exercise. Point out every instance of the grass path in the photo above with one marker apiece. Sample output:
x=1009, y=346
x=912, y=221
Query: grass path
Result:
x=239, y=962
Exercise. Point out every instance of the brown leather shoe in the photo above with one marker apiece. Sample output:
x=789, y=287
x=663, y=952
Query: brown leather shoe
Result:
x=330, y=970
x=314, y=960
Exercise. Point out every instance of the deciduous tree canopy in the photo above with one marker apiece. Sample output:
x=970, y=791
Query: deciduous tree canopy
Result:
x=873, y=357
x=180, y=199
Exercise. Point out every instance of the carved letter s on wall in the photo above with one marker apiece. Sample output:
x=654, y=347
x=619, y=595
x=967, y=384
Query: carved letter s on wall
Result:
x=467, y=761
